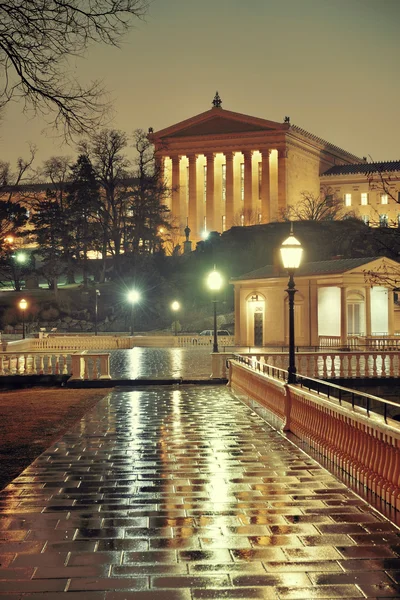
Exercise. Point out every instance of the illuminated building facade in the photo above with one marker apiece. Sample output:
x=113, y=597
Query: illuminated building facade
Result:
x=225, y=168
x=333, y=301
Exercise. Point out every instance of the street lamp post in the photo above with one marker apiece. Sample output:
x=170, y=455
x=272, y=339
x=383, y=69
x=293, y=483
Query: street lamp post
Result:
x=23, y=306
x=214, y=282
x=175, y=307
x=96, y=296
x=133, y=297
x=291, y=252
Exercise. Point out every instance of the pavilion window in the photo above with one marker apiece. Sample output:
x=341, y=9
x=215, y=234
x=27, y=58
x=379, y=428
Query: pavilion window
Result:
x=364, y=198
x=242, y=182
x=384, y=199
x=223, y=222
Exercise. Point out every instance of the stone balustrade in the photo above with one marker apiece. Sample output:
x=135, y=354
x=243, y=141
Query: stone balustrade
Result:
x=363, y=444
x=331, y=364
x=79, y=366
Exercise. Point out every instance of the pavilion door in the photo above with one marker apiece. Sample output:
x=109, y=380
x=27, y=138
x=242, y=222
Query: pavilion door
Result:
x=258, y=328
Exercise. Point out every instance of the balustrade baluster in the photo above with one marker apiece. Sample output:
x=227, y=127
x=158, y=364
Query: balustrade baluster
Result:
x=95, y=372
x=375, y=373
x=341, y=367
x=86, y=366
x=324, y=367
x=358, y=368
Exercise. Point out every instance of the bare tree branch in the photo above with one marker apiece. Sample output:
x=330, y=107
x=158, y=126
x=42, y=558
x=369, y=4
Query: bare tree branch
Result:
x=37, y=37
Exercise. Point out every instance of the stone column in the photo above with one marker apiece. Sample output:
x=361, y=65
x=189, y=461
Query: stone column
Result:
x=248, y=186
x=238, y=332
x=229, y=204
x=390, y=313
x=176, y=204
x=192, y=208
x=367, y=311
x=282, y=180
x=265, y=190
x=210, y=193
x=343, y=316
x=313, y=314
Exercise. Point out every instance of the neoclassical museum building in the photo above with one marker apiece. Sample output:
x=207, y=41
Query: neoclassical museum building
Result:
x=225, y=168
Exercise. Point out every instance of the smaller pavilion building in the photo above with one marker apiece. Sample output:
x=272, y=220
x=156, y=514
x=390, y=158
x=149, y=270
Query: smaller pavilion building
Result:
x=334, y=300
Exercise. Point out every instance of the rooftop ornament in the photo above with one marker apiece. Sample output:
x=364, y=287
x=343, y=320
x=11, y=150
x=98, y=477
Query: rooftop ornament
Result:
x=217, y=102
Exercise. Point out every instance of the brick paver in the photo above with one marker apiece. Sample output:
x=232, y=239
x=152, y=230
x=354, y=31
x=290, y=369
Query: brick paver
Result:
x=184, y=493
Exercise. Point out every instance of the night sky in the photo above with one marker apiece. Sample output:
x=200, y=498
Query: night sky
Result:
x=331, y=65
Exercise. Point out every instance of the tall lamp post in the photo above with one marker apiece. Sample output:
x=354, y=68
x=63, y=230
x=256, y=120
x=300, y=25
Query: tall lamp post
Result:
x=291, y=252
x=214, y=282
x=23, y=306
x=96, y=297
x=175, y=306
x=133, y=297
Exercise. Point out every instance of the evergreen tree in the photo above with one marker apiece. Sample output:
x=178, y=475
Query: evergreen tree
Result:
x=83, y=201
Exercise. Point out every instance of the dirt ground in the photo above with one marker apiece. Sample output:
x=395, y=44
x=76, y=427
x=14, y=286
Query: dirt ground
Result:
x=32, y=419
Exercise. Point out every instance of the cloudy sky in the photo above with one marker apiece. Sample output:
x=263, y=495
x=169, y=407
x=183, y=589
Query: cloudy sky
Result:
x=331, y=65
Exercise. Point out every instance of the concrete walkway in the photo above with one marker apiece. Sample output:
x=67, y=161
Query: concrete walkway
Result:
x=184, y=493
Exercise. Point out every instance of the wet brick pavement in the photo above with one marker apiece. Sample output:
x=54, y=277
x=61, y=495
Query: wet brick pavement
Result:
x=161, y=363
x=184, y=493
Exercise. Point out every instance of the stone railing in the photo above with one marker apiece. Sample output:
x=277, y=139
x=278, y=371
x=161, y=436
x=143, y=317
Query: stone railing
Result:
x=331, y=365
x=71, y=342
x=114, y=342
x=80, y=366
x=365, y=445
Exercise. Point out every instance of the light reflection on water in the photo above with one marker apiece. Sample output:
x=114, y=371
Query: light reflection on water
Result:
x=156, y=363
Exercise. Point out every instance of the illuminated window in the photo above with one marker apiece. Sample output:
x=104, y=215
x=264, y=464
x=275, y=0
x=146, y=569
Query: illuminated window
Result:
x=242, y=181
x=364, y=198
x=259, y=217
x=347, y=199
x=259, y=179
x=205, y=182
x=365, y=219
x=223, y=183
x=242, y=220
x=383, y=221
x=384, y=198
x=223, y=222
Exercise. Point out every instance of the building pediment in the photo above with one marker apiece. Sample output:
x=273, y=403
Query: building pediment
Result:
x=217, y=121
x=219, y=125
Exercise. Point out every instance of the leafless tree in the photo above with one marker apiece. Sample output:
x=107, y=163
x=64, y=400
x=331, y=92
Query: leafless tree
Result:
x=383, y=181
x=10, y=179
x=325, y=207
x=246, y=217
x=385, y=275
x=38, y=39
x=106, y=151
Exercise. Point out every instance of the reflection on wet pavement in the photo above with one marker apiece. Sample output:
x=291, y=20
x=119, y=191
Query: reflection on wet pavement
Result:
x=184, y=493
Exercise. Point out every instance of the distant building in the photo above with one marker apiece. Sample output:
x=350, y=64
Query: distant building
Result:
x=369, y=190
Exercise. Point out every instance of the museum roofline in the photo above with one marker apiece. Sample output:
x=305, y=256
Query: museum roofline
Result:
x=389, y=166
